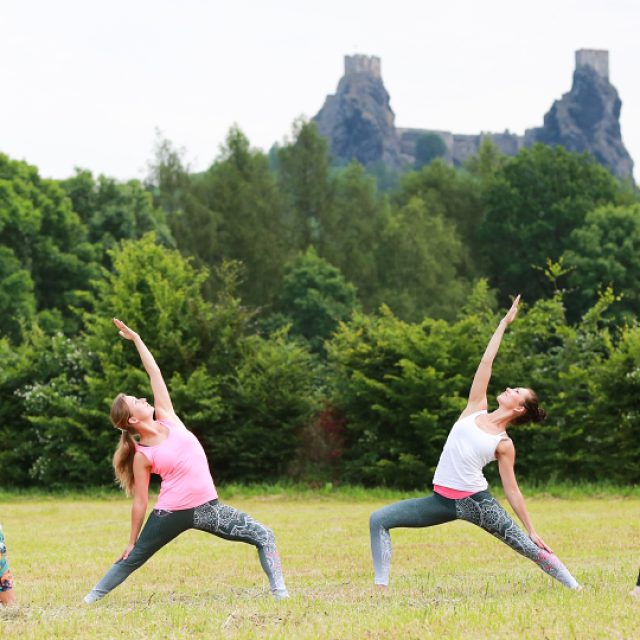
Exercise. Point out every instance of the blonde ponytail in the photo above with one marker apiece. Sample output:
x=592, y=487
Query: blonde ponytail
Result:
x=126, y=450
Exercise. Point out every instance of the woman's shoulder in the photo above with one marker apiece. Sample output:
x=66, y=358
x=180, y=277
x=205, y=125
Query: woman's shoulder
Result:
x=143, y=455
x=471, y=412
x=171, y=420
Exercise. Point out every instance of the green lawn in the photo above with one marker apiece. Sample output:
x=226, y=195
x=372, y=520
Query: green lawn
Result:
x=452, y=581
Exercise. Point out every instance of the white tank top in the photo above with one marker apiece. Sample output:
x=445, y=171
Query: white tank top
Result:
x=467, y=450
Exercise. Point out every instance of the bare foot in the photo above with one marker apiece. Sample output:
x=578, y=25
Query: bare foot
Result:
x=636, y=592
x=7, y=598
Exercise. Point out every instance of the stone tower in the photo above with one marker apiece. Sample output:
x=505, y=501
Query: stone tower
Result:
x=597, y=59
x=359, y=63
x=358, y=120
x=587, y=118
x=359, y=123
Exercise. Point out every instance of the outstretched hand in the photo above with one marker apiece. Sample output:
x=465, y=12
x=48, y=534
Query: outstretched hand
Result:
x=511, y=314
x=124, y=331
x=539, y=541
x=125, y=554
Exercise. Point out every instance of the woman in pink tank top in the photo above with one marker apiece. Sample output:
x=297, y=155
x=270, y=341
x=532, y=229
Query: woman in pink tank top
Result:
x=460, y=488
x=154, y=440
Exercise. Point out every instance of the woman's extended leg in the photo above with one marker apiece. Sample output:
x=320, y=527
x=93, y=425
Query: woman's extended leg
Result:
x=231, y=524
x=417, y=512
x=485, y=511
x=161, y=528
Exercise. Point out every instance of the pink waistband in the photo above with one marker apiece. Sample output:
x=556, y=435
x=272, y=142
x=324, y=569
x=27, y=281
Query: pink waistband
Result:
x=453, y=494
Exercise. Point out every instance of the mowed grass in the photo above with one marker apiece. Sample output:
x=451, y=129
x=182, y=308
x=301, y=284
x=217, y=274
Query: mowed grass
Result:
x=450, y=581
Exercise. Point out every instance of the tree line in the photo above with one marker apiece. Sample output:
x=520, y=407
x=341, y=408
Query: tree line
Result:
x=312, y=324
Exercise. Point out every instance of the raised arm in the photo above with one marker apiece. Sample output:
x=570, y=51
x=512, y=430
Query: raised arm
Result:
x=161, y=398
x=478, y=393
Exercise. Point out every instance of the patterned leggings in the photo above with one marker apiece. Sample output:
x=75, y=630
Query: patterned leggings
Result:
x=481, y=509
x=213, y=517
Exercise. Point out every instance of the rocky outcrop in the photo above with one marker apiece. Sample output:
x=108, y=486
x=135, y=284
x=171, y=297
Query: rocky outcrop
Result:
x=359, y=123
x=358, y=120
x=587, y=118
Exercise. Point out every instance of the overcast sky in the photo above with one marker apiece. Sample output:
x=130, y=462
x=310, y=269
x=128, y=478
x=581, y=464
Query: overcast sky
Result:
x=86, y=83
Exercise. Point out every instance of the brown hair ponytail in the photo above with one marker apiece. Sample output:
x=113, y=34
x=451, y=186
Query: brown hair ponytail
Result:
x=126, y=450
x=533, y=412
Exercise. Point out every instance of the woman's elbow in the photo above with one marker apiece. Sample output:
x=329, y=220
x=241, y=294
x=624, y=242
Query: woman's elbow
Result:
x=512, y=494
x=140, y=503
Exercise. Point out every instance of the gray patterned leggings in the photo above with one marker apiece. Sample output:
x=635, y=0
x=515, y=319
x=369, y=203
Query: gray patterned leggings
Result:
x=213, y=517
x=481, y=509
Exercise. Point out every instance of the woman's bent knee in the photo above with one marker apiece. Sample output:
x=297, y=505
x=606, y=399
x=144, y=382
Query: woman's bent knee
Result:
x=376, y=520
x=270, y=536
x=263, y=538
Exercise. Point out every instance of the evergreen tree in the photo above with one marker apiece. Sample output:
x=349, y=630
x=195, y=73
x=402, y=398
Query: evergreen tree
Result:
x=235, y=212
x=457, y=197
x=40, y=232
x=418, y=261
x=315, y=297
x=17, y=301
x=605, y=251
x=304, y=177
x=534, y=203
x=487, y=162
x=429, y=146
x=352, y=240
x=115, y=211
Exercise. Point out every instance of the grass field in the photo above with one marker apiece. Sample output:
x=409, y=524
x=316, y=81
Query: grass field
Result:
x=451, y=581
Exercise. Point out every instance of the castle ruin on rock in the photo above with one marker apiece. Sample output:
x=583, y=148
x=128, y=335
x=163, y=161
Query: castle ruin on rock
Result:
x=359, y=123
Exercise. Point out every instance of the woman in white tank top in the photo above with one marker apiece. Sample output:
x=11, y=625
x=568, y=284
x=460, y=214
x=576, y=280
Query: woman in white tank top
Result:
x=460, y=488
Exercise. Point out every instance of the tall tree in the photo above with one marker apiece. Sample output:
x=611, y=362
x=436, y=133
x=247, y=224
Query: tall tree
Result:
x=353, y=233
x=534, y=203
x=246, y=217
x=429, y=146
x=418, y=261
x=304, y=176
x=605, y=251
x=487, y=162
x=17, y=301
x=169, y=178
x=457, y=197
x=315, y=297
x=115, y=211
x=45, y=235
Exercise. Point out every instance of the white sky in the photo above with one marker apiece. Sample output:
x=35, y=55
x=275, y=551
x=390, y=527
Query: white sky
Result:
x=85, y=83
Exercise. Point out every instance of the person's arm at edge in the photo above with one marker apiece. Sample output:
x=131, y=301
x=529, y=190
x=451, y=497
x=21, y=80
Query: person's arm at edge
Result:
x=506, y=456
x=141, y=475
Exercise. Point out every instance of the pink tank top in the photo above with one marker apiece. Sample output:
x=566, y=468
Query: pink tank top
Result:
x=182, y=464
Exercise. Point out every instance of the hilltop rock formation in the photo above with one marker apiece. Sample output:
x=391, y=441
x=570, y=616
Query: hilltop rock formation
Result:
x=357, y=120
x=359, y=123
x=587, y=118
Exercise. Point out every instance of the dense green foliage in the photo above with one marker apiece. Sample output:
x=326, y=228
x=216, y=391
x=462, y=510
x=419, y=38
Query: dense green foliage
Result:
x=312, y=325
x=605, y=251
x=429, y=146
x=315, y=297
x=45, y=248
x=533, y=204
x=113, y=211
x=401, y=387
